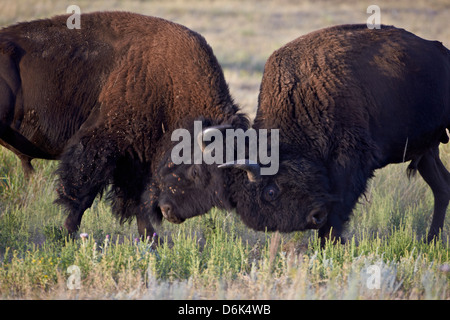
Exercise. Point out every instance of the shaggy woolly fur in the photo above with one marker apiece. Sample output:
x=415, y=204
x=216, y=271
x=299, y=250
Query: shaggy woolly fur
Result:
x=138, y=78
x=347, y=101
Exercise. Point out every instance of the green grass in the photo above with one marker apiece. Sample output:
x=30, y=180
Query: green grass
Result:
x=215, y=256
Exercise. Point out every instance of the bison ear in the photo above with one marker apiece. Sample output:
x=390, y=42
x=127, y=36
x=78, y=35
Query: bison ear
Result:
x=252, y=168
x=207, y=130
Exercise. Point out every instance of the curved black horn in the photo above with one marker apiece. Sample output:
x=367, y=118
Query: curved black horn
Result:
x=252, y=168
x=202, y=143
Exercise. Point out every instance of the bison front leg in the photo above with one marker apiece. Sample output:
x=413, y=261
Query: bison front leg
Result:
x=348, y=184
x=332, y=230
x=132, y=195
x=84, y=171
x=73, y=220
x=145, y=227
x=437, y=177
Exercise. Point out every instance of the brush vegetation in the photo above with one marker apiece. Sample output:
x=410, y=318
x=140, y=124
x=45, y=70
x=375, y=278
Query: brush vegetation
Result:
x=215, y=256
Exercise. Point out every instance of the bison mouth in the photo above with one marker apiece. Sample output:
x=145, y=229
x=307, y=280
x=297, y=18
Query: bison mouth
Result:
x=168, y=212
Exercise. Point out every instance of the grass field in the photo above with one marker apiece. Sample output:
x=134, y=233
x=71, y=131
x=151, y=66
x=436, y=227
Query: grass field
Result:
x=215, y=256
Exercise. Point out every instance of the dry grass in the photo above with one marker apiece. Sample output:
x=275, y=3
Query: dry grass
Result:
x=244, y=33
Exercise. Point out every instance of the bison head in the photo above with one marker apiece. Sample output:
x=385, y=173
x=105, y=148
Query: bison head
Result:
x=295, y=198
x=188, y=190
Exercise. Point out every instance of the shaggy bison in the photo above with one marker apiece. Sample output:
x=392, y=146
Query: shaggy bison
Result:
x=104, y=99
x=347, y=101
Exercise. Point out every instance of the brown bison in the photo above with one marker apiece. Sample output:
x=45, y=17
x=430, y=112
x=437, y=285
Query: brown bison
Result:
x=104, y=100
x=347, y=101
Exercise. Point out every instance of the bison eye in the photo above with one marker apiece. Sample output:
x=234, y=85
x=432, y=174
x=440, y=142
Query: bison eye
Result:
x=270, y=193
x=193, y=172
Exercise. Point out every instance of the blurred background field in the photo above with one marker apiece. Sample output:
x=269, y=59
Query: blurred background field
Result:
x=244, y=33
x=216, y=256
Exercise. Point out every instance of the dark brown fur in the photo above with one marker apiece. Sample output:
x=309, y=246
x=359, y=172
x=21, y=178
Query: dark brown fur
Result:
x=133, y=79
x=349, y=100
x=50, y=80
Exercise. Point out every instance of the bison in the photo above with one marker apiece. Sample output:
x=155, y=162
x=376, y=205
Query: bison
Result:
x=347, y=100
x=104, y=100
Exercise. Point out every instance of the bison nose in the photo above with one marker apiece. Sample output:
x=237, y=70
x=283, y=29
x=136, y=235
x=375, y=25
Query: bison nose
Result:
x=168, y=213
x=166, y=210
x=317, y=218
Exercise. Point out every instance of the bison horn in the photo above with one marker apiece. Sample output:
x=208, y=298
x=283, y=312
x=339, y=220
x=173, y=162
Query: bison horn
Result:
x=252, y=168
x=205, y=131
